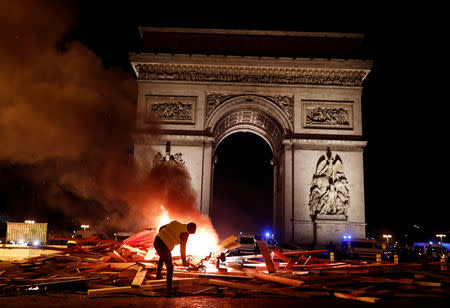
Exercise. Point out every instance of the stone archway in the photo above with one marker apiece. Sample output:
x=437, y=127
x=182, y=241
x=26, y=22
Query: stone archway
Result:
x=305, y=108
x=263, y=117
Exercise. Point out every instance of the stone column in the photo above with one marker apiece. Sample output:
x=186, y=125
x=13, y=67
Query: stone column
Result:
x=288, y=179
x=207, y=178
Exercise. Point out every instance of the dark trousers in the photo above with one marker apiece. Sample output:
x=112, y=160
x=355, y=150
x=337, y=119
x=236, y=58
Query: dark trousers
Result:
x=165, y=256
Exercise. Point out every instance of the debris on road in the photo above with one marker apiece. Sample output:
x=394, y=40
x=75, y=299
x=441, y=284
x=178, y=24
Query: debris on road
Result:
x=114, y=268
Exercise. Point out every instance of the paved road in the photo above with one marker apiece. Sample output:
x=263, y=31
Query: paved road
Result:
x=83, y=301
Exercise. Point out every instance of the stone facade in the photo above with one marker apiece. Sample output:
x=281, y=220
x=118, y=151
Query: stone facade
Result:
x=303, y=108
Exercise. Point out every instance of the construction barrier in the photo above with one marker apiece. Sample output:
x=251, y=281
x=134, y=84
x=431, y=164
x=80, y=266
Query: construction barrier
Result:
x=443, y=265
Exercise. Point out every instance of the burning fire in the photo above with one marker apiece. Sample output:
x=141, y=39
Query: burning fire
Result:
x=200, y=244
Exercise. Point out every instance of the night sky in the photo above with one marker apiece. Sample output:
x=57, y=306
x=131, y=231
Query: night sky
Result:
x=405, y=114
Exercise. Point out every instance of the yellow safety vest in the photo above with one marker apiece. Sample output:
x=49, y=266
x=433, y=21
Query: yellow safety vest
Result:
x=170, y=234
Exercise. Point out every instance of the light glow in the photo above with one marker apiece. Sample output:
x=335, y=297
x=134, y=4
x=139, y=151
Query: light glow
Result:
x=200, y=244
x=440, y=235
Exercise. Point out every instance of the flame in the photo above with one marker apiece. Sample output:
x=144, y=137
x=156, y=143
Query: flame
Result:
x=201, y=244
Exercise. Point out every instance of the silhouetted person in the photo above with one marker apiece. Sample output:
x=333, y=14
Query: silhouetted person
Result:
x=168, y=237
x=331, y=247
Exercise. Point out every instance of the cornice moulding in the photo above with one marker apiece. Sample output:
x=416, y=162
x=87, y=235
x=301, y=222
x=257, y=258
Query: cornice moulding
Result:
x=315, y=144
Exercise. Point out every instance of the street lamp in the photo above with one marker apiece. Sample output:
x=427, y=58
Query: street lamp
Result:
x=84, y=227
x=440, y=235
x=387, y=237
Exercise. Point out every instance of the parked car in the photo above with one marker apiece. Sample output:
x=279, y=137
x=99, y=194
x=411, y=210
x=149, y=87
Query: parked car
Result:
x=361, y=248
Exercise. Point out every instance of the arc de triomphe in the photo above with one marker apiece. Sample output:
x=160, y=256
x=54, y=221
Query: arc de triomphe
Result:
x=308, y=109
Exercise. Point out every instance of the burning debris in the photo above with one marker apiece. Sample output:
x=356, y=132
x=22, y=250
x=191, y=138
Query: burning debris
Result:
x=113, y=268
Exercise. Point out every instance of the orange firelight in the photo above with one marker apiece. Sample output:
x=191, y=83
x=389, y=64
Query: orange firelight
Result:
x=200, y=244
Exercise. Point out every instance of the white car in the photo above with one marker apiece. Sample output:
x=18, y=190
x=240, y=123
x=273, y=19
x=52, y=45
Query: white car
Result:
x=361, y=248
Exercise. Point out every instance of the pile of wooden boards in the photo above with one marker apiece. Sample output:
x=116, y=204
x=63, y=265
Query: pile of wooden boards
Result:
x=117, y=268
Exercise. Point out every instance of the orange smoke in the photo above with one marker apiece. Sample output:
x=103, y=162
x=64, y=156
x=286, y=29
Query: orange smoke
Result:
x=67, y=122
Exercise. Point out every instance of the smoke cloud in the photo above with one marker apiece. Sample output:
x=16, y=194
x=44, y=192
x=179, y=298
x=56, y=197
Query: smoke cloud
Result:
x=66, y=124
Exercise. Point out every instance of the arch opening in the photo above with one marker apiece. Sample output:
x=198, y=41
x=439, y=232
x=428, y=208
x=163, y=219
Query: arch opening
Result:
x=242, y=199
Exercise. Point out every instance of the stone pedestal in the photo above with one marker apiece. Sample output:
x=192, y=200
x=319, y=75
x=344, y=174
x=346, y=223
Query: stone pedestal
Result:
x=329, y=228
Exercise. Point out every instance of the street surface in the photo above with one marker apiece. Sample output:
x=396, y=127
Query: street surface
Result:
x=68, y=300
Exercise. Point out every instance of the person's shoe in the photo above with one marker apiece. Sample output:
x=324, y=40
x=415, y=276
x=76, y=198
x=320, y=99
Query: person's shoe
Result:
x=158, y=277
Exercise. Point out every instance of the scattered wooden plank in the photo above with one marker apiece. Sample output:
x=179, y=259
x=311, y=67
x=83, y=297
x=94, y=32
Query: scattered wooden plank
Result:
x=357, y=298
x=279, y=254
x=428, y=284
x=115, y=255
x=274, y=278
x=291, y=262
x=304, y=252
x=228, y=241
x=386, y=280
x=266, y=255
x=139, y=278
x=441, y=277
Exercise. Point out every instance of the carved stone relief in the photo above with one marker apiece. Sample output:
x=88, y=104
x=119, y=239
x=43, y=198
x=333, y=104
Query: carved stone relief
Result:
x=171, y=109
x=251, y=74
x=329, y=193
x=286, y=103
x=251, y=118
x=326, y=114
x=175, y=159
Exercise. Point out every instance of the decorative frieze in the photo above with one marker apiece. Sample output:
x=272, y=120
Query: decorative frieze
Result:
x=170, y=109
x=251, y=74
x=285, y=102
x=327, y=114
x=168, y=160
x=261, y=122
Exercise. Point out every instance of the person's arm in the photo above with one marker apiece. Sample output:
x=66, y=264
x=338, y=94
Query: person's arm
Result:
x=184, y=237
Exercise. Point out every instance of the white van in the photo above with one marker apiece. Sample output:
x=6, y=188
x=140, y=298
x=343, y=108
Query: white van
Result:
x=361, y=248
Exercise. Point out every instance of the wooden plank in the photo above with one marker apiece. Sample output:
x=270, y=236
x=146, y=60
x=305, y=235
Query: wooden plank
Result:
x=266, y=255
x=279, y=254
x=134, y=249
x=291, y=262
x=358, y=298
x=434, y=275
x=211, y=275
x=253, y=287
x=115, y=255
x=139, y=278
x=150, y=254
x=386, y=280
x=304, y=252
x=428, y=284
x=282, y=280
x=233, y=246
x=228, y=241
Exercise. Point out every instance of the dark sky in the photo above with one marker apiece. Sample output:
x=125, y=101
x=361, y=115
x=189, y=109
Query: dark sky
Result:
x=404, y=107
